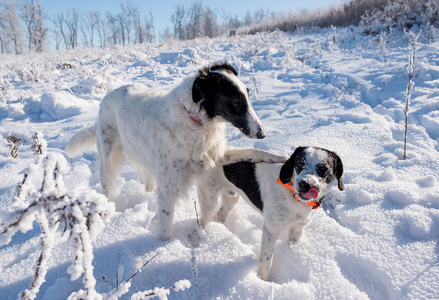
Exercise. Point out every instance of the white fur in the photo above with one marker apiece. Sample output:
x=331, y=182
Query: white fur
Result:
x=281, y=211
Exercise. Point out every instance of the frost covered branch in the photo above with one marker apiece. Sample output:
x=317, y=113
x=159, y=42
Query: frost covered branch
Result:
x=162, y=293
x=410, y=85
x=124, y=287
x=82, y=213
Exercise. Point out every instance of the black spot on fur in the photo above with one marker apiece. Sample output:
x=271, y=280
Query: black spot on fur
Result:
x=243, y=176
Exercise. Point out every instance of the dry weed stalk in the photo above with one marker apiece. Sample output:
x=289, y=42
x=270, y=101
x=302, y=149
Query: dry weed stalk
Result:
x=410, y=85
x=14, y=145
x=4, y=91
x=40, y=144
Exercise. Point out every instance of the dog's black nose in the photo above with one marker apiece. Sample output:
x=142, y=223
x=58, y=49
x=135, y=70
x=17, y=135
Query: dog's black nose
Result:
x=304, y=186
x=261, y=134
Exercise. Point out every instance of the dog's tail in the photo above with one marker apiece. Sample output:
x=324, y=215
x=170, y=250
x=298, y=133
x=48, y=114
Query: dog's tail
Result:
x=83, y=140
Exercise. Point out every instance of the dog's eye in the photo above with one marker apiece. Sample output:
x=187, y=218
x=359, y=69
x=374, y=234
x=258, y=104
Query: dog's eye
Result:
x=237, y=102
x=299, y=166
x=321, y=171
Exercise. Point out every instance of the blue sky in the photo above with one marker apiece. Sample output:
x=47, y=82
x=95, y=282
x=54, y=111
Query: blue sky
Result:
x=162, y=10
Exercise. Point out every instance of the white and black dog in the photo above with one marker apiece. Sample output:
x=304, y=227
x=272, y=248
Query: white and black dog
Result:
x=173, y=136
x=286, y=195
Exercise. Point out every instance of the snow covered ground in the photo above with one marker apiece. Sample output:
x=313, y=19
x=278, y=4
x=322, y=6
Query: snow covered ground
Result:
x=376, y=240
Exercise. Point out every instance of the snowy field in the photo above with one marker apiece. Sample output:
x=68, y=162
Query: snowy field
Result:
x=376, y=240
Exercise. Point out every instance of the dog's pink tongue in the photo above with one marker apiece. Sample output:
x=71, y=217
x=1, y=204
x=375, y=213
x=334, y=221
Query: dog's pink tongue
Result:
x=311, y=194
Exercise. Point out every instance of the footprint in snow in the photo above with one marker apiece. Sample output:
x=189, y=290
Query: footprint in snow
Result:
x=367, y=276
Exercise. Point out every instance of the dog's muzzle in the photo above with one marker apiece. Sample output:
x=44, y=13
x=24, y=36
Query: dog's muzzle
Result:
x=313, y=204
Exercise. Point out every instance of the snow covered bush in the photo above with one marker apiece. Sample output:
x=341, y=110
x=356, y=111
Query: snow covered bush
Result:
x=401, y=15
x=43, y=198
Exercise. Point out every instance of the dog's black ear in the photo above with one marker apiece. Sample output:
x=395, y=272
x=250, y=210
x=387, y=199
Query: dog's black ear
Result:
x=203, y=86
x=287, y=170
x=198, y=89
x=338, y=171
x=224, y=66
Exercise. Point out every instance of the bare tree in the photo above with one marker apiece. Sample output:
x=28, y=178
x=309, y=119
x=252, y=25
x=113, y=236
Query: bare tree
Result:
x=195, y=20
x=234, y=22
x=149, y=28
x=33, y=17
x=179, y=18
x=72, y=20
x=29, y=15
x=122, y=30
x=101, y=29
x=59, y=20
x=139, y=32
x=225, y=24
x=58, y=38
x=3, y=40
x=89, y=22
x=40, y=29
x=210, y=27
x=248, y=18
x=143, y=28
x=114, y=28
x=10, y=23
x=125, y=21
x=2, y=46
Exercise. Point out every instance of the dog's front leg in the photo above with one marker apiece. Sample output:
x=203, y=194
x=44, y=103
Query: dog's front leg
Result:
x=295, y=232
x=208, y=199
x=228, y=201
x=267, y=249
x=233, y=155
x=165, y=215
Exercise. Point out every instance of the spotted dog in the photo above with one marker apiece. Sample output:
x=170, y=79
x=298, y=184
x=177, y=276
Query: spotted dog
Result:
x=286, y=194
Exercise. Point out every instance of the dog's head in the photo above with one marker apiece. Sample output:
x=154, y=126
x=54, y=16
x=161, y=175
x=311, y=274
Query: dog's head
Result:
x=313, y=171
x=219, y=92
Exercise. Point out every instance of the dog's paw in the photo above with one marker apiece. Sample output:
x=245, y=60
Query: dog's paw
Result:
x=156, y=231
x=201, y=223
x=263, y=273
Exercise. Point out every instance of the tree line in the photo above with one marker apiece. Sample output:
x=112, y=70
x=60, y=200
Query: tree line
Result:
x=25, y=26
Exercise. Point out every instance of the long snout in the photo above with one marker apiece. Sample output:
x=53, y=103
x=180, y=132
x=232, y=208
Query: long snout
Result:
x=254, y=128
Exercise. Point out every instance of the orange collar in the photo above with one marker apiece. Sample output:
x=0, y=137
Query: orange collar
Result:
x=313, y=204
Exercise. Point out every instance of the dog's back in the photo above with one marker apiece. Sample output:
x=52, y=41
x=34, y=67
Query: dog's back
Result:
x=243, y=176
x=256, y=182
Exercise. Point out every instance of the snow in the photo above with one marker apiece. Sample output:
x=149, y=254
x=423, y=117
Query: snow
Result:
x=376, y=240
